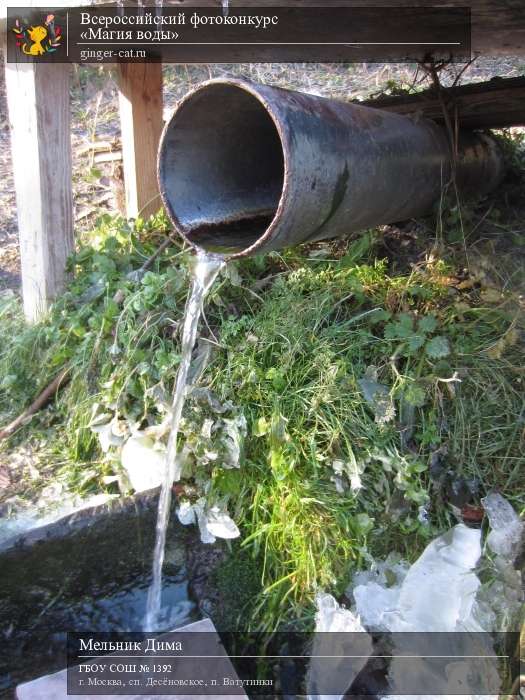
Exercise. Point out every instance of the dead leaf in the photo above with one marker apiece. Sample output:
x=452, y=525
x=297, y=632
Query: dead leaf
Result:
x=472, y=514
x=490, y=295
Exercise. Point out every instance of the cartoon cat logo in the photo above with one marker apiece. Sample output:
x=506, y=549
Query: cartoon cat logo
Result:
x=39, y=40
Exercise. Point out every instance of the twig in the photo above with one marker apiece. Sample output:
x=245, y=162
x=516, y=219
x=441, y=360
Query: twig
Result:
x=118, y=297
x=465, y=67
x=433, y=71
x=162, y=247
x=42, y=399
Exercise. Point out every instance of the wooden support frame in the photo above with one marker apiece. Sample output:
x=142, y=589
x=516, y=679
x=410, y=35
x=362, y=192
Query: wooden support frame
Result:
x=39, y=117
x=140, y=99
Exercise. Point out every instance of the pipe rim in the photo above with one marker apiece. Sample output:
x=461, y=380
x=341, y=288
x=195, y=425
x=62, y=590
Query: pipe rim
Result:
x=253, y=90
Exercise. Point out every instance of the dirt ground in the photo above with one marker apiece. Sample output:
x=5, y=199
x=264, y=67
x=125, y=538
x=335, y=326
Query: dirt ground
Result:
x=97, y=171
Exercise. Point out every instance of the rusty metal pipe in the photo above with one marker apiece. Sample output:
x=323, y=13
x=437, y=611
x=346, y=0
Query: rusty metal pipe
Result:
x=247, y=168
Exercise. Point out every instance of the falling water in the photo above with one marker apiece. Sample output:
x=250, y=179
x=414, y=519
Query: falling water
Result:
x=225, y=7
x=205, y=271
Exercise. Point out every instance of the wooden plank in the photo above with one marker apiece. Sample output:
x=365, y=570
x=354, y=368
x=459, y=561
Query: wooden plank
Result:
x=140, y=100
x=39, y=117
x=494, y=104
x=498, y=26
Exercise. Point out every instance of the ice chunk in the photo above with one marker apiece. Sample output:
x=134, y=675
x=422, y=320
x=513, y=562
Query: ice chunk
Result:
x=331, y=617
x=186, y=513
x=390, y=572
x=500, y=600
x=220, y=524
x=110, y=431
x=440, y=588
x=436, y=594
x=440, y=593
x=207, y=537
x=378, y=397
x=213, y=522
x=506, y=527
x=329, y=677
x=235, y=432
x=144, y=462
x=376, y=591
x=374, y=601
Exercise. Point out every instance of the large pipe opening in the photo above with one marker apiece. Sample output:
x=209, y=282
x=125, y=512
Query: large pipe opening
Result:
x=221, y=168
x=247, y=167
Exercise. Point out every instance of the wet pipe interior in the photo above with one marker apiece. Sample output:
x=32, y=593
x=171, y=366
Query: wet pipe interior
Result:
x=247, y=168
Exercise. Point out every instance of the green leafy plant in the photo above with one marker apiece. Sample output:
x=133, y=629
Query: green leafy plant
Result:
x=349, y=378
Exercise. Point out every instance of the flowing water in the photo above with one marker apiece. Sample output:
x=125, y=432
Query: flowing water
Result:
x=205, y=271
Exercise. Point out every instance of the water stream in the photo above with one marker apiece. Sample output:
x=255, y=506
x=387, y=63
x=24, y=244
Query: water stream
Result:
x=206, y=269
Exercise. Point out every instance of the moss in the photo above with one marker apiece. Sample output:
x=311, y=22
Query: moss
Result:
x=238, y=584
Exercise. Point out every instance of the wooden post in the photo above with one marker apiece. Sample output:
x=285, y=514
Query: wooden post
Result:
x=39, y=117
x=140, y=86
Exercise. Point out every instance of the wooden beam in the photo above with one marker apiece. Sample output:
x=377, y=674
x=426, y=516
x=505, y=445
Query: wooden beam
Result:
x=494, y=104
x=39, y=118
x=498, y=26
x=140, y=99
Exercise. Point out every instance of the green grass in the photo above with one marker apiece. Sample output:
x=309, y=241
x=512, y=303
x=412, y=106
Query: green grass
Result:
x=295, y=364
x=343, y=370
